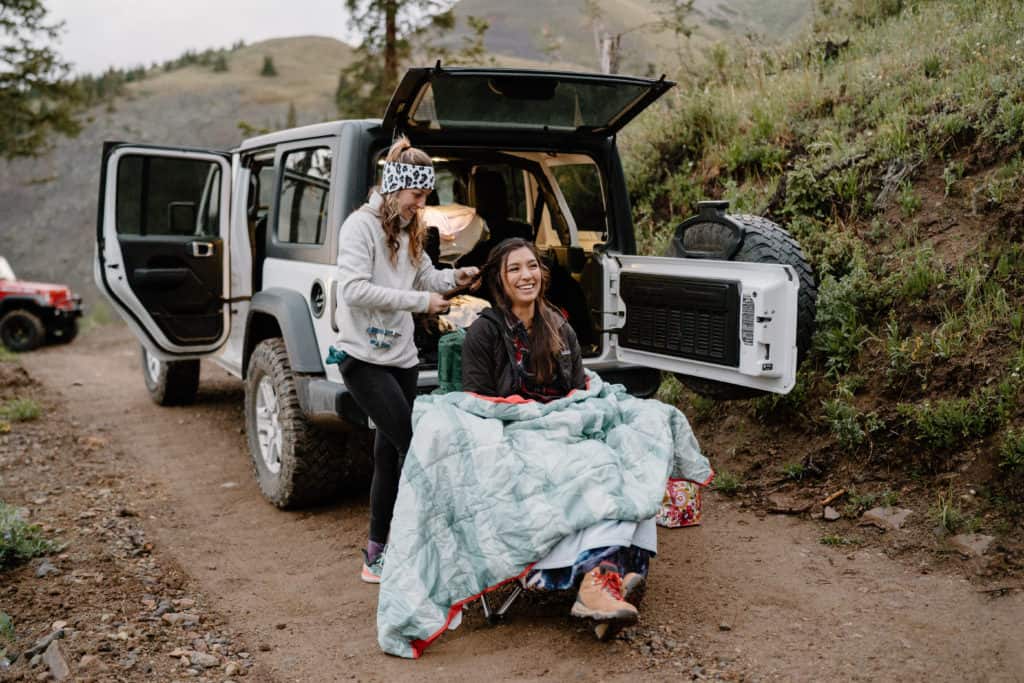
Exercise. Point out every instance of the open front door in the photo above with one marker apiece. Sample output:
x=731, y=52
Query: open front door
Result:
x=721, y=320
x=162, y=255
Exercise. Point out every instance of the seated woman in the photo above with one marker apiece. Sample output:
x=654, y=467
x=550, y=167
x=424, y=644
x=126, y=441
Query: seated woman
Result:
x=524, y=346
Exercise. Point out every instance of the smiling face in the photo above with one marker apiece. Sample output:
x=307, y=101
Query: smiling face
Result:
x=410, y=201
x=521, y=277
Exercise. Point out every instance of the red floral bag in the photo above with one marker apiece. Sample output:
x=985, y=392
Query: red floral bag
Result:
x=681, y=505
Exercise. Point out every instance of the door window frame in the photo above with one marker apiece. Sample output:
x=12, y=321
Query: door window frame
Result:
x=293, y=251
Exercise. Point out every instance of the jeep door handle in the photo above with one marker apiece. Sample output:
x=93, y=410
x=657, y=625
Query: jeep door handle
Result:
x=202, y=249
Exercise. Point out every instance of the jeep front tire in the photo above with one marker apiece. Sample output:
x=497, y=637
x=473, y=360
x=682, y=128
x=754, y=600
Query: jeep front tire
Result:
x=170, y=383
x=296, y=464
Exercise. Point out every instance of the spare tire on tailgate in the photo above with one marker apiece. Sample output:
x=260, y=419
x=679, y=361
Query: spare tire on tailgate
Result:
x=715, y=234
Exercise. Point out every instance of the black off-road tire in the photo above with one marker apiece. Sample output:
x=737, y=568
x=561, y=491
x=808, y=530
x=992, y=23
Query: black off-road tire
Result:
x=170, y=383
x=22, y=330
x=310, y=463
x=63, y=333
x=767, y=242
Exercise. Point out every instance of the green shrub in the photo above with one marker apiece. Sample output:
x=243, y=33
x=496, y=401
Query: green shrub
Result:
x=671, y=390
x=946, y=424
x=1011, y=452
x=850, y=427
x=794, y=470
x=19, y=540
x=858, y=502
x=842, y=305
x=932, y=66
x=952, y=173
x=19, y=410
x=923, y=275
x=727, y=482
x=908, y=200
x=950, y=517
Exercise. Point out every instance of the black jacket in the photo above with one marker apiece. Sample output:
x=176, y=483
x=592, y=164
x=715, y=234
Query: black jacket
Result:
x=488, y=357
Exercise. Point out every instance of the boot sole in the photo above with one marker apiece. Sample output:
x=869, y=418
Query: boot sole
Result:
x=622, y=617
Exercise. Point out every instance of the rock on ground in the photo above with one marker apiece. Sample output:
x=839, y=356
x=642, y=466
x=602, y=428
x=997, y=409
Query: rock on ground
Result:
x=889, y=518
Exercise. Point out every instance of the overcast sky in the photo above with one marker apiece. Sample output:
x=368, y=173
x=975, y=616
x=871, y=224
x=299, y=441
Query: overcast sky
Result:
x=124, y=33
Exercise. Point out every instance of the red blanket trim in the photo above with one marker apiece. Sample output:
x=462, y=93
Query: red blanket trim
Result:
x=419, y=645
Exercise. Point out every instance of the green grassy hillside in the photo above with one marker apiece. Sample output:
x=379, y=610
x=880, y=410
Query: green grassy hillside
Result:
x=898, y=164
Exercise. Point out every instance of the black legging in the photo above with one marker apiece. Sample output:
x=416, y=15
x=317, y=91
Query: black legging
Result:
x=386, y=395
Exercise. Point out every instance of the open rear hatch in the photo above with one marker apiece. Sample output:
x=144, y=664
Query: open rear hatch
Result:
x=537, y=103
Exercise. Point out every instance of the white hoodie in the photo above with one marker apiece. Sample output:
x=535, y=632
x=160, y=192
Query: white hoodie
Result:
x=377, y=299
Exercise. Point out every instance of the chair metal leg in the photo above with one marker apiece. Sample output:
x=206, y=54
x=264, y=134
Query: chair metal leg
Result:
x=487, y=608
x=516, y=592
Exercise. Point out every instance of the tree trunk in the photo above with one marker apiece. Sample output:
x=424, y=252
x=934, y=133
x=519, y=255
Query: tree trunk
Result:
x=390, y=45
x=611, y=52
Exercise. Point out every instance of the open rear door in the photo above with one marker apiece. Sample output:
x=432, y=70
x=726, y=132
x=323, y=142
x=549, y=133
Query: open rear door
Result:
x=162, y=255
x=538, y=104
x=720, y=320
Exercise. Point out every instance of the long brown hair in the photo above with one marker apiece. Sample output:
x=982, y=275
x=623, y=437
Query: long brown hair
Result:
x=403, y=152
x=545, y=341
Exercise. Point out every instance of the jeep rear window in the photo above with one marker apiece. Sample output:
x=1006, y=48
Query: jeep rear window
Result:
x=523, y=102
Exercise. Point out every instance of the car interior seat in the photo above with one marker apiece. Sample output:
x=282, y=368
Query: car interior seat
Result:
x=491, y=203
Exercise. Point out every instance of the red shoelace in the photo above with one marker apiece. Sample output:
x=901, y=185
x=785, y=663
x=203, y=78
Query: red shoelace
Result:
x=611, y=582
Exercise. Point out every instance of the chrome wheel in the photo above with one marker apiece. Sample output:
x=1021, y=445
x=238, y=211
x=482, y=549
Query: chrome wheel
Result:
x=268, y=425
x=152, y=368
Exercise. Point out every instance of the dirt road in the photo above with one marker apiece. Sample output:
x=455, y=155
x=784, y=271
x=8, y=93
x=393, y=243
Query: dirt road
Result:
x=742, y=597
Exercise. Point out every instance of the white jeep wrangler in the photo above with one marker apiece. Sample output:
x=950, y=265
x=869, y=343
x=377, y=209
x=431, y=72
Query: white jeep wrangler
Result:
x=231, y=255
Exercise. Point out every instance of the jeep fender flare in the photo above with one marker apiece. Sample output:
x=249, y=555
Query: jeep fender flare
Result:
x=285, y=313
x=29, y=301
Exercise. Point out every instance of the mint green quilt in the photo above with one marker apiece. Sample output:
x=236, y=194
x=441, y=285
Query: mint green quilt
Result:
x=490, y=486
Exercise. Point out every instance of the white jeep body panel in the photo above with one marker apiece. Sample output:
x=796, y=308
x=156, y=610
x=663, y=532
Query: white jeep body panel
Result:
x=113, y=278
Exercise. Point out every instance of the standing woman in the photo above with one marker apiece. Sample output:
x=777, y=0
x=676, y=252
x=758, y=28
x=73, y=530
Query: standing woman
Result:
x=384, y=276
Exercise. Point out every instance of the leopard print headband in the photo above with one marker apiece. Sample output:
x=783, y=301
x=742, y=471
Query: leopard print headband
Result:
x=399, y=176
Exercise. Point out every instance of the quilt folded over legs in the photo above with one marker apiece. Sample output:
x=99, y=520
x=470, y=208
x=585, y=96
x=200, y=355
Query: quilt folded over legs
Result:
x=489, y=486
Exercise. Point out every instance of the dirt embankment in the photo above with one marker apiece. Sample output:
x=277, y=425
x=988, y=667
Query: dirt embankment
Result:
x=159, y=505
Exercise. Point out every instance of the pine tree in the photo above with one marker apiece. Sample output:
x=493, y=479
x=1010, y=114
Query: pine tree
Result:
x=37, y=97
x=220, y=63
x=392, y=31
x=268, y=67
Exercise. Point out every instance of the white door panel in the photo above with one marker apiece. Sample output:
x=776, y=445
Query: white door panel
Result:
x=112, y=266
x=729, y=321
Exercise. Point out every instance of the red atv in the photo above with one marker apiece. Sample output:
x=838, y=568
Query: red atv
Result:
x=32, y=313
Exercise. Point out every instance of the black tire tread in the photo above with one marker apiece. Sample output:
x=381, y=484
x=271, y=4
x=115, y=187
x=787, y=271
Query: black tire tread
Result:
x=767, y=242
x=38, y=330
x=178, y=384
x=311, y=460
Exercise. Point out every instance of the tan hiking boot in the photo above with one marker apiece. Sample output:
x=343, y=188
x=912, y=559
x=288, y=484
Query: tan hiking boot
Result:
x=600, y=597
x=633, y=588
